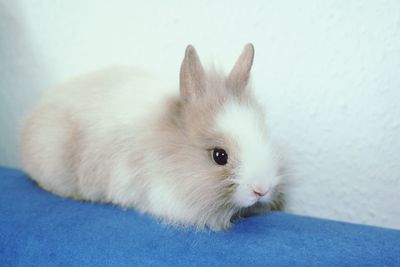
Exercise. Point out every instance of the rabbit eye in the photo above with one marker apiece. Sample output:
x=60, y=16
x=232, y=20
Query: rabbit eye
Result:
x=220, y=156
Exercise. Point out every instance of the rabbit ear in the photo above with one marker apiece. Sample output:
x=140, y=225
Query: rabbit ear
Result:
x=192, y=77
x=240, y=74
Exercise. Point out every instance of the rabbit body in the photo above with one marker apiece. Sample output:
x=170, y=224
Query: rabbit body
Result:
x=124, y=137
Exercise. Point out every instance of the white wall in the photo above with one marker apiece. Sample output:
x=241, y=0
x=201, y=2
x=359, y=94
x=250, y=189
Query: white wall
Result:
x=328, y=73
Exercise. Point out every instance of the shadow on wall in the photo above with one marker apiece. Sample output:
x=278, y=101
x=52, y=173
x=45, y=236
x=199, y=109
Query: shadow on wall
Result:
x=20, y=79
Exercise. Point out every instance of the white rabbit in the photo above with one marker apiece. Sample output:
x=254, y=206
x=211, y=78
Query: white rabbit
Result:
x=199, y=158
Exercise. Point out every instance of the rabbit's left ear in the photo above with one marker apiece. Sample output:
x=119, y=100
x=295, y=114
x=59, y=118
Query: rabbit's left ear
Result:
x=192, y=76
x=240, y=74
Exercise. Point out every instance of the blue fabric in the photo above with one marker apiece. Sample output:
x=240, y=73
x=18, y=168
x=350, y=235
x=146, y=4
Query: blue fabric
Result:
x=39, y=229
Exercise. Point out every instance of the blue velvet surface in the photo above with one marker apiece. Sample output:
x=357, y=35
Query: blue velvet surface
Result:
x=40, y=229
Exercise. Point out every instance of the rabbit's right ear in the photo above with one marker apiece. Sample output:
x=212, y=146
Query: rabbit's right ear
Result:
x=192, y=76
x=240, y=74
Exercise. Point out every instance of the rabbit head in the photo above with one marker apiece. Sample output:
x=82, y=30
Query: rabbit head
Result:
x=227, y=157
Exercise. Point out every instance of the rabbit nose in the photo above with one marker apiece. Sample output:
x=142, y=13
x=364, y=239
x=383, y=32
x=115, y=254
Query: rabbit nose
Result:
x=260, y=191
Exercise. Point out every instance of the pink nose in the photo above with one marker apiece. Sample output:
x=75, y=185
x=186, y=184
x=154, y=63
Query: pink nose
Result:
x=260, y=193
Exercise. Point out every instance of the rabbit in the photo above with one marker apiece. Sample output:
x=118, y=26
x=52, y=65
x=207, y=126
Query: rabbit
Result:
x=199, y=156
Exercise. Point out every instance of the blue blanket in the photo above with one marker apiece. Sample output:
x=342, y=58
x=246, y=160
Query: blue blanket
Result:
x=40, y=229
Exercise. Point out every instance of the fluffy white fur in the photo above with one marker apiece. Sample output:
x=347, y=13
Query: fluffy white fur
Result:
x=258, y=171
x=122, y=136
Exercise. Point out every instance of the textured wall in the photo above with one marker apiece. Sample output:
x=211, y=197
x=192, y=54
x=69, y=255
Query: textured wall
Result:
x=328, y=73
